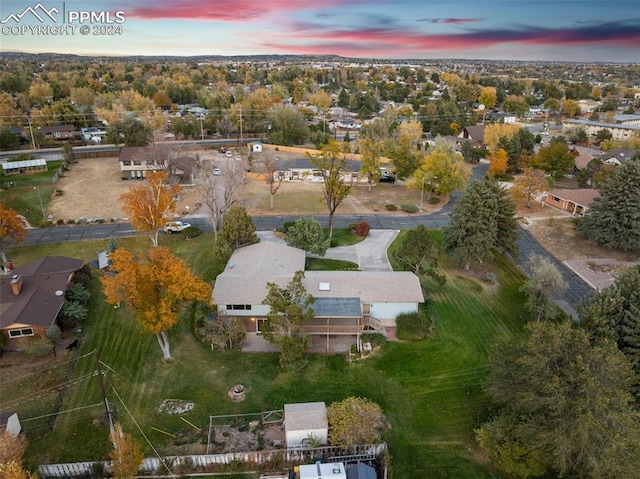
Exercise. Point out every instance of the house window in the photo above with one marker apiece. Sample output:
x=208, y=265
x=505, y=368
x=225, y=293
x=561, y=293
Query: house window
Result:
x=556, y=199
x=17, y=333
x=126, y=163
x=239, y=307
x=137, y=163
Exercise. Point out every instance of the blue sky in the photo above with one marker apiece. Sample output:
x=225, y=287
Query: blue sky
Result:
x=571, y=30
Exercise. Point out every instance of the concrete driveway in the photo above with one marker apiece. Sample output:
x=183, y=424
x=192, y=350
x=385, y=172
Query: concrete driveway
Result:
x=369, y=255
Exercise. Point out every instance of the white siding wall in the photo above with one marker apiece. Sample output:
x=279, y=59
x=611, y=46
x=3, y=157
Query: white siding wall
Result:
x=387, y=312
x=295, y=438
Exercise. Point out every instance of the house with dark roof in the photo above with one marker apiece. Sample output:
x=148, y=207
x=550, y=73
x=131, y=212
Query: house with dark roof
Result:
x=347, y=303
x=31, y=297
x=618, y=156
x=474, y=134
x=60, y=132
x=576, y=202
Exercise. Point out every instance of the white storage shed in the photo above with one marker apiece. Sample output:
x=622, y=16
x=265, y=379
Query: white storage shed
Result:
x=305, y=422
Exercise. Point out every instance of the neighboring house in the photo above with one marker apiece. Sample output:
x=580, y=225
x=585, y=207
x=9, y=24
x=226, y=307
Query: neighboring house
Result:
x=135, y=162
x=303, y=169
x=11, y=168
x=347, y=302
x=32, y=295
x=619, y=131
x=60, y=132
x=93, y=133
x=618, y=156
x=582, y=161
x=474, y=134
x=305, y=424
x=577, y=201
x=255, y=147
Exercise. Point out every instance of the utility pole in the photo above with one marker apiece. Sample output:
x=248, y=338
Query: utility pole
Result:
x=104, y=394
x=33, y=142
x=240, y=125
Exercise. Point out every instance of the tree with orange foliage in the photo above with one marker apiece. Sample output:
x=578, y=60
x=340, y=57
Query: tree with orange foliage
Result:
x=11, y=230
x=499, y=159
x=154, y=286
x=11, y=450
x=149, y=203
x=529, y=183
x=126, y=456
x=495, y=131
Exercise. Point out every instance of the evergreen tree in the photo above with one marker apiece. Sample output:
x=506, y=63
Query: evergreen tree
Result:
x=306, y=233
x=473, y=231
x=565, y=406
x=238, y=228
x=614, y=217
x=613, y=314
x=506, y=220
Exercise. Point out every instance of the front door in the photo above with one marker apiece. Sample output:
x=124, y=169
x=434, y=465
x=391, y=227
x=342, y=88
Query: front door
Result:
x=259, y=325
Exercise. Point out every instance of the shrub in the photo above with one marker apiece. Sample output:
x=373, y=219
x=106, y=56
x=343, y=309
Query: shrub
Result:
x=59, y=221
x=59, y=192
x=376, y=339
x=434, y=200
x=362, y=228
x=409, y=208
x=37, y=347
x=191, y=232
x=71, y=222
x=412, y=326
x=391, y=207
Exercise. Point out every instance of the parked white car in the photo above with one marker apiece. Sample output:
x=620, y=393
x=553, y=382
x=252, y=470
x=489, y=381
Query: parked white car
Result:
x=217, y=172
x=228, y=154
x=175, y=226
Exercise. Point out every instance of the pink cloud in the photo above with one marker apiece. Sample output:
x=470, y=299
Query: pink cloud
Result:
x=223, y=10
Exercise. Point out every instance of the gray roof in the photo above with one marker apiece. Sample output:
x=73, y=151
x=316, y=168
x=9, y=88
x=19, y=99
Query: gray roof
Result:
x=361, y=471
x=603, y=124
x=337, y=307
x=244, y=280
x=307, y=415
x=37, y=304
x=306, y=163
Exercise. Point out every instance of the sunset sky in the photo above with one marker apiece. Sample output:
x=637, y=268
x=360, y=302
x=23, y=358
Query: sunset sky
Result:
x=570, y=30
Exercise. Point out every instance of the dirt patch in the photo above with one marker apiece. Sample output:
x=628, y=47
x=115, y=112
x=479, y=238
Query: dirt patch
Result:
x=92, y=189
x=250, y=437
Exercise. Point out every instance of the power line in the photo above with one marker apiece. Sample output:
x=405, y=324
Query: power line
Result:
x=79, y=408
x=140, y=429
x=66, y=363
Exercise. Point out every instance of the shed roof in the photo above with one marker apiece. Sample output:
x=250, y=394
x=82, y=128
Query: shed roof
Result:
x=361, y=471
x=307, y=415
x=13, y=165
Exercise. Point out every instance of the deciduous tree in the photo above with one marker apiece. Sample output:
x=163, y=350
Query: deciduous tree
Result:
x=154, y=286
x=529, y=183
x=272, y=180
x=555, y=159
x=238, y=228
x=12, y=449
x=332, y=164
x=419, y=251
x=370, y=165
x=221, y=192
x=12, y=230
x=288, y=127
x=306, y=233
x=614, y=217
x=126, y=457
x=499, y=159
x=289, y=309
x=565, y=406
x=545, y=282
x=444, y=168
x=148, y=204
x=355, y=421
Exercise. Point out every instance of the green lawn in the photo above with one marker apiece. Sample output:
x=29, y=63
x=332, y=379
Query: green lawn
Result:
x=23, y=197
x=431, y=391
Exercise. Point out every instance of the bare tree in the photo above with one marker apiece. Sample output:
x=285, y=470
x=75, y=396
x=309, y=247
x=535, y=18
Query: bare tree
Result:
x=222, y=191
x=271, y=180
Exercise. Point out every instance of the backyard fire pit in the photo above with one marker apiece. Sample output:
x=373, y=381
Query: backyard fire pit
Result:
x=237, y=392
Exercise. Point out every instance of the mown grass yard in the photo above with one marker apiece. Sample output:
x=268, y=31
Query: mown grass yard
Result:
x=431, y=391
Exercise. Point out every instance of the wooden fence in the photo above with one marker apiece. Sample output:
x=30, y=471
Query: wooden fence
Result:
x=200, y=462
